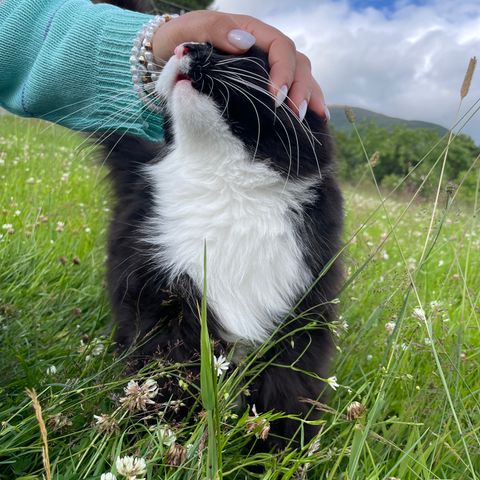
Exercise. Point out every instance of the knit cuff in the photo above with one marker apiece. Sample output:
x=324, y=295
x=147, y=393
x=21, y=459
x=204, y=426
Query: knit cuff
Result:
x=118, y=104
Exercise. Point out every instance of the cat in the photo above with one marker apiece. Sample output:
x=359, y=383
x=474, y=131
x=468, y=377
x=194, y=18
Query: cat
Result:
x=256, y=187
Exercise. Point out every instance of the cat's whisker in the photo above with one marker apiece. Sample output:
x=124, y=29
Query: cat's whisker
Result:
x=256, y=113
x=281, y=123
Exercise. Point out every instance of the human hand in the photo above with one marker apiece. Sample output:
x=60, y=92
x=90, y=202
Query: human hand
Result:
x=290, y=70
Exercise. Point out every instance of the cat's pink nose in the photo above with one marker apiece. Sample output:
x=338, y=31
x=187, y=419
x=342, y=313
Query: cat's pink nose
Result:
x=181, y=50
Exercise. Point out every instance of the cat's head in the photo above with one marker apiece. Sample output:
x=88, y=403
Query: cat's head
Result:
x=207, y=92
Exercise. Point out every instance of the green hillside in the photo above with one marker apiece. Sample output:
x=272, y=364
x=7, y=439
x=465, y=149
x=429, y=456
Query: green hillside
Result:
x=340, y=122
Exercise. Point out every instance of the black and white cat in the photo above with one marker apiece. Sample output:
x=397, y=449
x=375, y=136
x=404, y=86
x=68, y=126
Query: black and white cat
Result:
x=258, y=187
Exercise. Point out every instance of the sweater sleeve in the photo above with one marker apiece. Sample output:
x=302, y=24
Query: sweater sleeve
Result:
x=67, y=61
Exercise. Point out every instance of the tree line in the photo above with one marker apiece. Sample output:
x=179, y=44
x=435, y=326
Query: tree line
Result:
x=403, y=153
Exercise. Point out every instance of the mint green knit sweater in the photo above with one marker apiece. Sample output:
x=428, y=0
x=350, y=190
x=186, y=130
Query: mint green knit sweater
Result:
x=67, y=61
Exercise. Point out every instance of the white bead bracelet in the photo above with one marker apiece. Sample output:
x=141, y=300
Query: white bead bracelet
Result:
x=144, y=71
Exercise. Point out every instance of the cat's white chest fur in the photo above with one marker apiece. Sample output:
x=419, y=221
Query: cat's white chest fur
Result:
x=208, y=189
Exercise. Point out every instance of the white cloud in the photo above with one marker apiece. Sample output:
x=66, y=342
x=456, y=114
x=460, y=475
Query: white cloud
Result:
x=408, y=61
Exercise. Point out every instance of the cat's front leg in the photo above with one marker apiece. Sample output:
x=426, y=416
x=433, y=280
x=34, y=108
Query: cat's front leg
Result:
x=296, y=367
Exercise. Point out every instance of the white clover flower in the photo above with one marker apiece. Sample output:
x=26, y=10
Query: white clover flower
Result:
x=419, y=314
x=332, y=381
x=167, y=436
x=60, y=226
x=427, y=341
x=220, y=364
x=7, y=226
x=105, y=423
x=51, y=370
x=108, y=476
x=390, y=327
x=87, y=230
x=137, y=397
x=441, y=263
x=131, y=467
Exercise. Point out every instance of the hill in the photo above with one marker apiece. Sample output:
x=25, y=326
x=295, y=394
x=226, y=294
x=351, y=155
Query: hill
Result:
x=340, y=122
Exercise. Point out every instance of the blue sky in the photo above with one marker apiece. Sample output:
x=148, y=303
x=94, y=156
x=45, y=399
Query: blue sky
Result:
x=382, y=4
x=404, y=58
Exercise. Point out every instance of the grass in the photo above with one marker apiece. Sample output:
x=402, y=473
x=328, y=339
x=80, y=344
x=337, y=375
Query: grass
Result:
x=417, y=375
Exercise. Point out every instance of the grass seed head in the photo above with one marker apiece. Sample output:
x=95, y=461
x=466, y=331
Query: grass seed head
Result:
x=467, y=81
x=349, y=114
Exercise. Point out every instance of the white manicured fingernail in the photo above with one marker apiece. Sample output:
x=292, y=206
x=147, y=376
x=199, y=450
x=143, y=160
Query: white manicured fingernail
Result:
x=327, y=113
x=302, y=110
x=241, y=39
x=281, y=96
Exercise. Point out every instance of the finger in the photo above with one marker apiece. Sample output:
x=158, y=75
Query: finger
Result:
x=317, y=102
x=305, y=91
x=281, y=52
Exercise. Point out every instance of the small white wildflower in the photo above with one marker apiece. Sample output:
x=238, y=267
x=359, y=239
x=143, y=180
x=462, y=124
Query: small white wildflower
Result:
x=17, y=213
x=369, y=358
x=332, y=381
x=51, y=370
x=441, y=263
x=404, y=346
x=88, y=230
x=385, y=255
x=138, y=397
x=7, y=226
x=427, y=341
x=108, y=476
x=30, y=181
x=97, y=347
x=65, y=177
x=220, y=364
x=419, y=314
x=60, y=227
x=131, y=467
x=390, y=327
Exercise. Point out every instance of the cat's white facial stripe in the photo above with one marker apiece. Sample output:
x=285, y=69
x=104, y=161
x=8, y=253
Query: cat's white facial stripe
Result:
x=208, y=188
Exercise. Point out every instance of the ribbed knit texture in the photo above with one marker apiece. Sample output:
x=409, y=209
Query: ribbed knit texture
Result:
x=67, y=61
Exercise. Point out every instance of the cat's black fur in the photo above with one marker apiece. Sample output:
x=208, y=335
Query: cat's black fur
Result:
x=162, y=319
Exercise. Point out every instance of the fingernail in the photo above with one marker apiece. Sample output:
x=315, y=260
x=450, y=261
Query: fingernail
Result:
x=327, y=113
x=241, y=39
x=281, y=95
x=302, y=110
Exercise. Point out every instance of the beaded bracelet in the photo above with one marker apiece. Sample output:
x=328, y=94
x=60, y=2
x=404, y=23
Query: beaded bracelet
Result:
x=144, y=71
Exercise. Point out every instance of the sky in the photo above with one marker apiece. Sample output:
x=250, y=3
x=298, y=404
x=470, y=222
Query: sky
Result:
x=404, y=58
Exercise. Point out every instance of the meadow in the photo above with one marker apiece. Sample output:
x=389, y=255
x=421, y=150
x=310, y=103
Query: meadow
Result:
x=405, y=385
